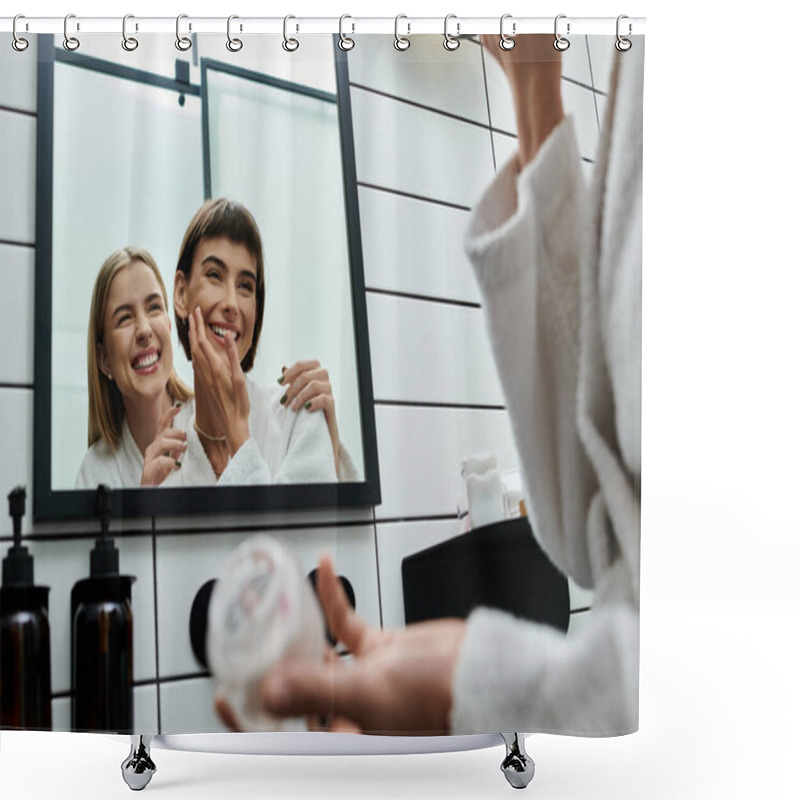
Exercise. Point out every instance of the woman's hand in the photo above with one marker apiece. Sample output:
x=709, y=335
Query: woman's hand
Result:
x=308, y=386
x=398, y=681
x=533, y=69
x=222, y=402
x=163, y=454
x=314, y=722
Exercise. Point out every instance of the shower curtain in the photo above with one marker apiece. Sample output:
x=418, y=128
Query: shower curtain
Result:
x=366, y=319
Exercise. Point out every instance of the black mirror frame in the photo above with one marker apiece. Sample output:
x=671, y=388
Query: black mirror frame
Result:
x=49, y=504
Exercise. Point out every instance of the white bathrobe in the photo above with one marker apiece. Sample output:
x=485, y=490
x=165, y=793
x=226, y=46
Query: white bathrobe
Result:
x=560, y=273
x=285, y=446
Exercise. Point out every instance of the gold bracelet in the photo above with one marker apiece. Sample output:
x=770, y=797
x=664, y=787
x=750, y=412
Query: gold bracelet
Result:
x=209, y=436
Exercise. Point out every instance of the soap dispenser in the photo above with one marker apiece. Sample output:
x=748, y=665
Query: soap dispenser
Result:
x=102, y=638
x=25, y=689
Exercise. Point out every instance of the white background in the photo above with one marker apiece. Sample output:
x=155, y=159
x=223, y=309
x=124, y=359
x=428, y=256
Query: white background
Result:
x=720, y=692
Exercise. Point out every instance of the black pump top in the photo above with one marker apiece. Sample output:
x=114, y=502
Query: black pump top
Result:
x=18, y=564
x=104, y=558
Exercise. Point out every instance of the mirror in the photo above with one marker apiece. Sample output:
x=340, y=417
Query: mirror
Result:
x=129, y=147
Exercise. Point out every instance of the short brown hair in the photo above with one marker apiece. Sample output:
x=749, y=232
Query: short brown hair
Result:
x=106, y=409
x=223, y=217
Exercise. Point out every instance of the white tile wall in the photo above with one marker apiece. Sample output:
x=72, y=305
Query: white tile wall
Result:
x=18, y=74
x=62, y=711
x=415, y=247
x=267, y=520
x=422, y=352
x=375, y=62
x=602, y=102
x=454, y=166
x=578, y=622
x=188, y=707
x=16, y=314
x=579, y=103
x=430, y=352
x=575, y=61
x=420, y=451
x=603, y=53
x=18, y=168
x=145, y=710
x=579, y=597
x=16, y=450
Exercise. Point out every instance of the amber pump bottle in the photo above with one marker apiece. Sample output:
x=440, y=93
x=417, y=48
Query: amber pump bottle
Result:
x=25, y=700
x=102, y=638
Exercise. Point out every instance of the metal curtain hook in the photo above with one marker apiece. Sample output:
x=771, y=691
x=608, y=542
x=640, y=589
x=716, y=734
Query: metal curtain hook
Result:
x=290, y=44
x=233, y=44
x=451, y=42
x=345, y=42
x=561, y=43
x=401, y=42
x=70, y=42
x=18, y=42
x=506, y=42
x=623, y=44
x=129, y=43
x=183, y=43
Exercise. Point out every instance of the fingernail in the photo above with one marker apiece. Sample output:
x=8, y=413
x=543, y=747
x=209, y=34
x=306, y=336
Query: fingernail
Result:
x=178, y=405
x=308, y=404
x=178, y=464
x=283, y=399
x=281, y=379
x=283, y=369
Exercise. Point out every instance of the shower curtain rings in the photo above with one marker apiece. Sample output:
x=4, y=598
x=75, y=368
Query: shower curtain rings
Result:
x=129, y=43
x=18, y=42
x=70, y=42
x=290, y=44
x=623, y=44
x=561, y=43
x=506, y=42
x=233, y=44
x=451, y=42
x=401, y=42
x=345, y=42
x=183, y=43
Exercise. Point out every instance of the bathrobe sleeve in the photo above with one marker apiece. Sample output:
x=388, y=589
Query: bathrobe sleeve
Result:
x=516, y=676
x=525, y=245
x=560, y=274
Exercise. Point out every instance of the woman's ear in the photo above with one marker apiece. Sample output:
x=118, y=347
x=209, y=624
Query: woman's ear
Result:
x=179, y=295
x=102, y=361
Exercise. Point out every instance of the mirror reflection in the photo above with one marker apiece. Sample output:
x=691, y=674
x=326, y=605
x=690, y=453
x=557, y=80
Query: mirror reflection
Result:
x=202, y=303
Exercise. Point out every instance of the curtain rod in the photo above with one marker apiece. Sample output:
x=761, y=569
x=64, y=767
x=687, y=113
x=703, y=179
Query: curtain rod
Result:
x=347, y=25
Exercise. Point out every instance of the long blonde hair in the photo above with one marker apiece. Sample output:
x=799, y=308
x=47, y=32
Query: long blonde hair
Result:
x=106, y=409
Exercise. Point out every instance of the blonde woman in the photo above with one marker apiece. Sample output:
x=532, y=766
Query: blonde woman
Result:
x=135, y=395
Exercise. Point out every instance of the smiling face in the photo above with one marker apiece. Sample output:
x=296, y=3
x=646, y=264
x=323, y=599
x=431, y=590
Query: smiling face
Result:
x=222, y=284
x=136, y=350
